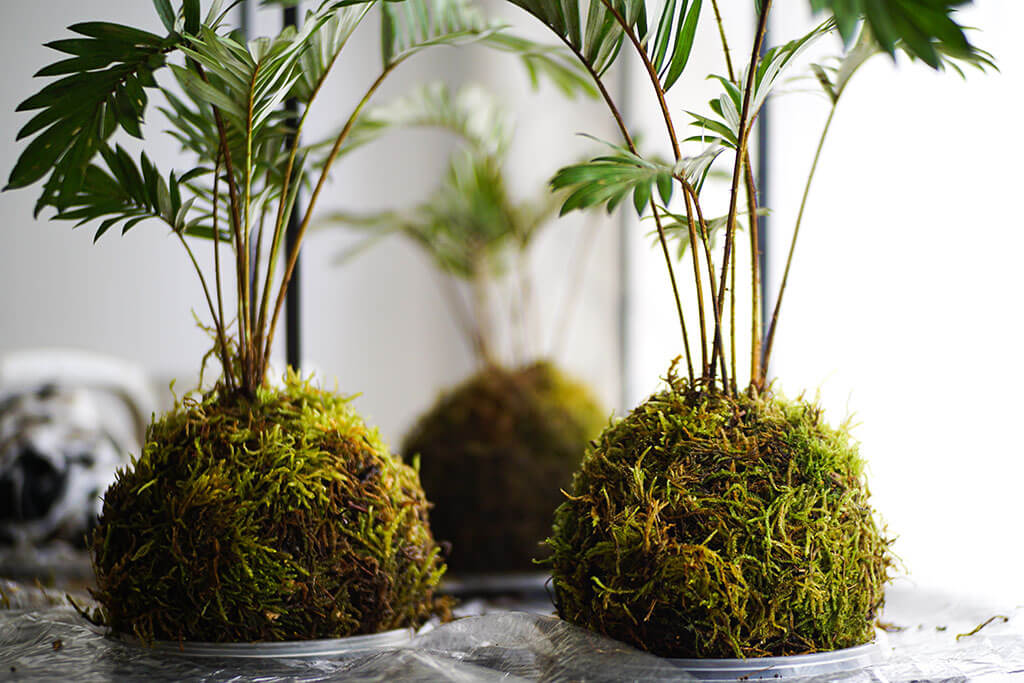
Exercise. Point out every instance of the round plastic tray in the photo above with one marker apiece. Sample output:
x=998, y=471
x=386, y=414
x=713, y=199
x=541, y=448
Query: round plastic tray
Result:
x=330, y=647
x=775, y=668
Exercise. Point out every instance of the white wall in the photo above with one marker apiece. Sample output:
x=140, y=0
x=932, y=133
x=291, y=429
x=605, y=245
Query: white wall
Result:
x=904, y=305
x=377, y=326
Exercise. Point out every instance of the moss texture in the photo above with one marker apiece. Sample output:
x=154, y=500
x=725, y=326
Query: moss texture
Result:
x=496, y=453
x=273, y=518
x=704, y=526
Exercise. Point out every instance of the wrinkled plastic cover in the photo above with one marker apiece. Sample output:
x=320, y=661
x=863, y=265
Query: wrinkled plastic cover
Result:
x=54, y=642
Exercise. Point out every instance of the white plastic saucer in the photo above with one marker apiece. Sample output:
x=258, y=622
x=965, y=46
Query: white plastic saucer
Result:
x=310, y=649
x=775, y=668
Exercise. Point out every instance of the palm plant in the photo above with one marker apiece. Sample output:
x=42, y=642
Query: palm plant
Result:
x=663, y=41
x=251, y=160
x=252, y=513
x=717, y=519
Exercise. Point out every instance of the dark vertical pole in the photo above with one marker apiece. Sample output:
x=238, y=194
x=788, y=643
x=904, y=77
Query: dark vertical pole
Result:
x=763, y=187
x=292, y=311
x=625, y=285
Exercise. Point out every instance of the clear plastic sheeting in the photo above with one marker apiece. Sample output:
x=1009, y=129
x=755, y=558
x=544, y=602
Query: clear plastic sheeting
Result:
x=57, y=643
x=543, y=648
x=54, y=642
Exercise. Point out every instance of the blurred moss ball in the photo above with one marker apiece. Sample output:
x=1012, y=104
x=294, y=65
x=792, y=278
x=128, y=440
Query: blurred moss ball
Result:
x=495, y=454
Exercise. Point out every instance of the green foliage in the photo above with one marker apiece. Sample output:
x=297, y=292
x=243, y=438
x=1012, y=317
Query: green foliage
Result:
x=250, y=162
x=104, y=90
x=677, y=228
x=704, y=525
x=471, y=113
x=470, y=225
x=925, y=29
x=466, y=226
x=495, y=453
x=596, y=31
x=606, y=180
x=280, y=517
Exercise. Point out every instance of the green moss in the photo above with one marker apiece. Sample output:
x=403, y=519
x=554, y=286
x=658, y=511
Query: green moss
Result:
x=495, y=453
x=705, y=526
x=272, y=518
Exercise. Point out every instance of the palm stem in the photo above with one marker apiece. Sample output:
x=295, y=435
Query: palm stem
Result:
x=209, y=299
x=690, y=219
x=280, y=220
x=725, y=42
x=770, y=338
x=675, y=287
x=755, y=246
x=294, y=255
x=652, y=74
x=755, y=280
x=716, y=305
x=218, y=318
x=744, y=133
x=732, y=324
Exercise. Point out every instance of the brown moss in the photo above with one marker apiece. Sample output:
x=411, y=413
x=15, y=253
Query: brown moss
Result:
x=495, y=453
x=707, y=526
x=272, y=518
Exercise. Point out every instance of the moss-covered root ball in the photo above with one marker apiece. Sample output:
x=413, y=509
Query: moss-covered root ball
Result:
x=495, y=454
x=703, y=526
x=273, y=518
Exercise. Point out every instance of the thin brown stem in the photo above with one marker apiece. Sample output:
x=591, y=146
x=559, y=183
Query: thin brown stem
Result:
x=652, y=74
x=716, y=305
x=280, y=220
x=744, y=133
x=209, y=299
x=294, y=255
x=770, y=338
x=690, y=219
x=732, y=324
x=236, y=224
x=755, y=247
x=755, y=281
x=251, y=369
x=675, y=287
x=229, y=378
x=725, y=42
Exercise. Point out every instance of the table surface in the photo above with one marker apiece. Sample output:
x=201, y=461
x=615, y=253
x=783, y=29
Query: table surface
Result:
x=930, y=636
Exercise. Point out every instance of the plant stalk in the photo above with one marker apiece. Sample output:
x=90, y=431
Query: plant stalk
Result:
x=294, y=255
x=770, y=338
x=697, y=281
x=744, y=133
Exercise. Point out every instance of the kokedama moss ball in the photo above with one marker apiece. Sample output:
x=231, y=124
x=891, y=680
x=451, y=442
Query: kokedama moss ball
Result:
x=705, y=526
x=495, y=454
x=273, y=518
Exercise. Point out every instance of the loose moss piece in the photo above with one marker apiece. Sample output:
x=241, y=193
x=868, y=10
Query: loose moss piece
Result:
x=494, y=455
x=708, y=526
x=278, y=517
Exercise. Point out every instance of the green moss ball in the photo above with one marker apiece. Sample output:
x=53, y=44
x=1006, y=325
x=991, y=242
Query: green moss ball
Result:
x=495, y=454
x=272, y=518
x=705, y=526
